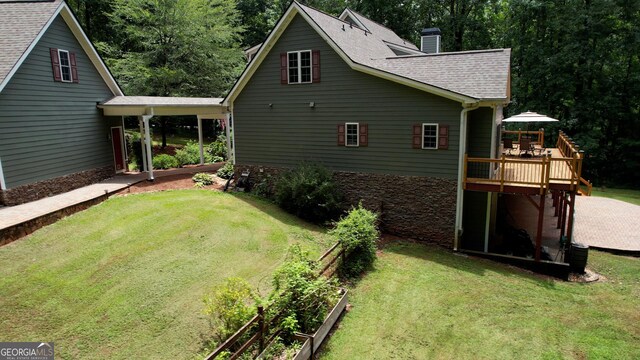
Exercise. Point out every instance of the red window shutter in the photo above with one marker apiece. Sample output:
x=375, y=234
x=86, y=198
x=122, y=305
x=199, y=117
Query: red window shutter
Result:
x=284, y=76
x=315, y=66
x=364, y=135
x=55, y=65
x=341, y=137
x=417, y=136
x=443, y=137
x=74, y=67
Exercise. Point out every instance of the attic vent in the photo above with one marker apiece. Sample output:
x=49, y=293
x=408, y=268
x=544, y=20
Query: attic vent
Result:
x=430, y=40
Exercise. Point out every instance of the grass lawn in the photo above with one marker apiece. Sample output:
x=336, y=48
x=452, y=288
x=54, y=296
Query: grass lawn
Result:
x=628, y=195
x=125, y=279
x=427, y=303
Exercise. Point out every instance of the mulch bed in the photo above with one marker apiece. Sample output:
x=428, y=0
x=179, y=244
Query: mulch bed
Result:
x=172, y=182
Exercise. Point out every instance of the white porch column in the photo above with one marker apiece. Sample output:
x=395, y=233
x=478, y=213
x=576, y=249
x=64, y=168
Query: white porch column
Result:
x=3, y=184
x=200, y=141
x=143, y=166
x=230, y=155
x=147, y=138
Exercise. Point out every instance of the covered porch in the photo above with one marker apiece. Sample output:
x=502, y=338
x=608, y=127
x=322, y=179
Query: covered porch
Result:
x=146, y=107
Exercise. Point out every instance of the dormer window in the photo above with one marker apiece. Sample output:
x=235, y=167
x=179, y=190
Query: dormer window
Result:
x=300, y=67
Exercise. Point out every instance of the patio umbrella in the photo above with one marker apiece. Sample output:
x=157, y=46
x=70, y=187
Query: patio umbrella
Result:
x=529, y=117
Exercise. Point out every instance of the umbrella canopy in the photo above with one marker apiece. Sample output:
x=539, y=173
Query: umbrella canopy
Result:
x=529, y=117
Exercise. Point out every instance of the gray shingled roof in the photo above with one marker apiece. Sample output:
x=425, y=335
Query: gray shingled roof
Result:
x=161, y=101
x=480, y=74
x=20, y=24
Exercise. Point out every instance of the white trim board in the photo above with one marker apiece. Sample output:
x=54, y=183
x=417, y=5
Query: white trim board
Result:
x=84, y=41
x=3, y=184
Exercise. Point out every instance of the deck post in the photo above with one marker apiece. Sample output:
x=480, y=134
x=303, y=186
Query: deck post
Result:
x=540, y=224
x=200, y=141
x=572, y=202
x=563, y=224
x=560, y=209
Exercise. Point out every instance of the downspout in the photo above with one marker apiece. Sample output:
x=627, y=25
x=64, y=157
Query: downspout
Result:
x=462, y=151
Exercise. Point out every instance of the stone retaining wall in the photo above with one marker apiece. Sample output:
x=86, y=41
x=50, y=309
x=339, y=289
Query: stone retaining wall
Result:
x=50, y=187
x=418, y=207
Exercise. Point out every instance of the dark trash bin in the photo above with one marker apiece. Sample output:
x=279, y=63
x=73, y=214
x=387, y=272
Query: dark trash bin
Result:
x=578, y=255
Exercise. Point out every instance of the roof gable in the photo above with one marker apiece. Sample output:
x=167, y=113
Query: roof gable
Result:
x=22, y=24
x=373, y=51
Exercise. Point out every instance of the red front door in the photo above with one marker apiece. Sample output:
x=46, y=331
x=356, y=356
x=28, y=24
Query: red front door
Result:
x=118, y=148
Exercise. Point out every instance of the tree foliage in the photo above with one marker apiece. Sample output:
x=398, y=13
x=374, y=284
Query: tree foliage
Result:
x=176, y=47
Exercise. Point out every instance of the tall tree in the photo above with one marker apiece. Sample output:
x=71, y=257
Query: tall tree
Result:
x=176, y=47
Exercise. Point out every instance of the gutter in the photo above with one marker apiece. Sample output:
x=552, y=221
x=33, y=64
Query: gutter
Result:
x=462, y=151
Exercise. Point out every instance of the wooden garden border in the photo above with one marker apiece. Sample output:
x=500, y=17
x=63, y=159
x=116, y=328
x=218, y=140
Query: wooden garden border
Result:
x=262, y=328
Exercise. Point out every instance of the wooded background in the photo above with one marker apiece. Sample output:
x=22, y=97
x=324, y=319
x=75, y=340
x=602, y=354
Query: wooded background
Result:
x=575, y=60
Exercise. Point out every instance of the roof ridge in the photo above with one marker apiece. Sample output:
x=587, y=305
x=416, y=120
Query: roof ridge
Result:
x=448, y=53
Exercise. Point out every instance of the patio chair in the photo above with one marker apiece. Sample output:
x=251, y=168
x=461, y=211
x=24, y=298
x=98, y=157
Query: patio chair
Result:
x=507, y=146
x=525, y=145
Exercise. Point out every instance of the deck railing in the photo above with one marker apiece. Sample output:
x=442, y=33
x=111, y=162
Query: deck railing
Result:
x=537, y=172
x=537, y=136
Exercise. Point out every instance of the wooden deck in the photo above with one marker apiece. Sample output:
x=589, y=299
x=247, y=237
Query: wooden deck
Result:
x=554, y=169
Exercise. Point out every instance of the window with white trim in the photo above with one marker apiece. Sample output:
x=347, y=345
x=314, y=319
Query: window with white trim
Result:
x=429, y=136
x=65, y=65
x=352, y=132
x=299, y=67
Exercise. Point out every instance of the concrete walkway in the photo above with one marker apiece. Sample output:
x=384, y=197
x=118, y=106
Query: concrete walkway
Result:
x=15, y=215
x=607, y=223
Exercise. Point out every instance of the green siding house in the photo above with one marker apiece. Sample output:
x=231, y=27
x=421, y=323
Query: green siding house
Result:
x=391, y=120
x=52, y=136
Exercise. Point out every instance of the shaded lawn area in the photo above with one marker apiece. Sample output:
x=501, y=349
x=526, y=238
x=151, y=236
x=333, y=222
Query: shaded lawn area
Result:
x=427, y=303
x=125, y=279
x=628, y=195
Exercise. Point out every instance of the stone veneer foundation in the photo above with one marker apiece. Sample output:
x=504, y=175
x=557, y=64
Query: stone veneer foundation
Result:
x=50, y=187
x=417, y=207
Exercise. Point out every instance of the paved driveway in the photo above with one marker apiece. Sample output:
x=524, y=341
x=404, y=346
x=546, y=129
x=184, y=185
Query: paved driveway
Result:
x=607, y=223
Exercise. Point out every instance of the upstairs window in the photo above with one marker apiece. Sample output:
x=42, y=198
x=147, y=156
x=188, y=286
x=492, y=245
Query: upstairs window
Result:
x=300, y=67
x=64, y=65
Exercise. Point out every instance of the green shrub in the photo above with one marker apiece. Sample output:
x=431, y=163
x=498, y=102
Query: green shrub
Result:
x=264, y=187
x=309, y=192
x=226, y=172
x=190, y=154
x=202, y=178
x=164, y=161
x=228, y=307
x=357, y=232
x=304, y=298
x=218, y=147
